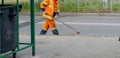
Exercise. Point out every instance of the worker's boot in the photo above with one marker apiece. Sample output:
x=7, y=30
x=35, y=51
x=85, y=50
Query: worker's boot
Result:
x=55, y=32
x=43, y=32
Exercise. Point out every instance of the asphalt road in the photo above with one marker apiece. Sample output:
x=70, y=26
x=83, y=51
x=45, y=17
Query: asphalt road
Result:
x=87, y=25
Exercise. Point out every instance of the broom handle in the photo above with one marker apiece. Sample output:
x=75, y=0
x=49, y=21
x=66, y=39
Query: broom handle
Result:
x=65, y=24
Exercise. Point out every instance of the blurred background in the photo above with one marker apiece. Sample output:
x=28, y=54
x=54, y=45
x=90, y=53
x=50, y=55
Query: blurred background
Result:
x=90, y=17
x=78, y=6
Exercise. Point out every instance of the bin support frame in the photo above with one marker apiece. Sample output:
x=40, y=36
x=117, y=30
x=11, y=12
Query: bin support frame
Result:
x=27, y=45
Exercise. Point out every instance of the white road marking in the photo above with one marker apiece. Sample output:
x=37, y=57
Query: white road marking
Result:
x=22, y=22
x=98, y=24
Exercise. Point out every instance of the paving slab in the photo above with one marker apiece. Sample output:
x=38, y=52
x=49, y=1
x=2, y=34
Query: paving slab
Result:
x=75, y=46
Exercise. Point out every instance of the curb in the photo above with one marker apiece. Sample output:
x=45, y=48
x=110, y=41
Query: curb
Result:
x=71, y=35
x=77, y=14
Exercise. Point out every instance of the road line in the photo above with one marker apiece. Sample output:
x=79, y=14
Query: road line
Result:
x=98, y=24
x=20, y=22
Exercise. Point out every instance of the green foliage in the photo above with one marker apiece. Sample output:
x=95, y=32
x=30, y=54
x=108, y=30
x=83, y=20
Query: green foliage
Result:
x=25, y=6
x=73, y=7
x=116, y=7
x=68, y=7
x=37, y=6
x=90, y=7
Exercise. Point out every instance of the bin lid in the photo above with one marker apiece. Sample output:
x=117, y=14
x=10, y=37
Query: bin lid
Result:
x=7, y=5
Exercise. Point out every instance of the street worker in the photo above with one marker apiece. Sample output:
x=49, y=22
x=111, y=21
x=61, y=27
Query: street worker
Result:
x=50, y=9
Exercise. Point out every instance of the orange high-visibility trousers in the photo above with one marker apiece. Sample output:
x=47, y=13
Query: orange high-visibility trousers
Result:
x=49, y=24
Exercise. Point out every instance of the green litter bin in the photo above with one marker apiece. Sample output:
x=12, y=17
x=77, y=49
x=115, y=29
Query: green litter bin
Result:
x=8, y=27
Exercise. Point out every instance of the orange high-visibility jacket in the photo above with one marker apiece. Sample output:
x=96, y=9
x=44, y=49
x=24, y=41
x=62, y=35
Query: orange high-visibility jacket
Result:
x=50, y=6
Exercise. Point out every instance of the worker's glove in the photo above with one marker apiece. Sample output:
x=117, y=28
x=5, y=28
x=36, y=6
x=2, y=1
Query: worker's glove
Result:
x=43, y=9
x=56, y=15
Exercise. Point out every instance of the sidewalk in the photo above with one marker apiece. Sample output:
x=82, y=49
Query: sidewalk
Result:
x=72, y=47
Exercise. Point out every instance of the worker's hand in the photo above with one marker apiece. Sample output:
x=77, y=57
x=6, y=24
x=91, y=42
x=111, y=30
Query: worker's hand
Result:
x=56, y=16
x=44, y=12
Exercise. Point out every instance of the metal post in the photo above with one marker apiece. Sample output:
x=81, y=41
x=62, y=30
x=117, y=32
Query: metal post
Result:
x=32, y=27
x=111, y=6
x=17, y=17
x=78, y=5
x=0, y=34
x=2, y=2
x=39, y=0
x=0, y=30
x=105, y=4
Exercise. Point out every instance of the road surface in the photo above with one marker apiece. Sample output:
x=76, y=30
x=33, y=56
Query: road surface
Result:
x=87, y=25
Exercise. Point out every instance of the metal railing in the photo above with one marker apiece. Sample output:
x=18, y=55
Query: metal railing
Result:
x=88, y=6
x=32, y=34
x=108, y=6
